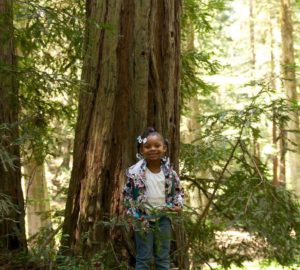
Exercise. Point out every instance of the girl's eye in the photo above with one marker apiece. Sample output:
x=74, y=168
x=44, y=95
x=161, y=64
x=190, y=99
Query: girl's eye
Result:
x=149, y=146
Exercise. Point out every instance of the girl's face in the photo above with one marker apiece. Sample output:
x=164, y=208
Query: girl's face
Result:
x=154, y=148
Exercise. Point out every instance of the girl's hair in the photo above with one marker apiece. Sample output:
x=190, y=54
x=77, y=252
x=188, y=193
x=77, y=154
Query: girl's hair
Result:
x=146, y=133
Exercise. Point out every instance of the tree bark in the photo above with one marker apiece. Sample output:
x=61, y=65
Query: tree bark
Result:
x=37, y=198
x=252, y=38
x=275, y=179
x=282, y=158
x=289, y=81
x=131, y=75
x=254, y=77
x=12, y=228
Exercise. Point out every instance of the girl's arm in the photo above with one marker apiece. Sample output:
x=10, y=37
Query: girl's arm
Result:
x=128, y=198
x=178, y=196
x=128, y=195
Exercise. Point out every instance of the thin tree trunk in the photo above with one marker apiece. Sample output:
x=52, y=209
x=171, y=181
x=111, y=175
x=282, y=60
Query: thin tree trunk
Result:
x=275, y=180
x=12, y=228
x=252, y=38
x=66, y=150
x=37, y=198
x=131, y=70
x=197, y=199
x=282, y=151
x=256, y=146
x=289, y=81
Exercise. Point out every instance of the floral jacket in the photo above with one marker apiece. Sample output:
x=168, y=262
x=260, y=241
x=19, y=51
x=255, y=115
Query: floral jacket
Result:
x=134, y=192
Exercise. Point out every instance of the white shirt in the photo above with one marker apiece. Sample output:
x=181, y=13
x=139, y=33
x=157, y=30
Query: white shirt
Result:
x=155, y=188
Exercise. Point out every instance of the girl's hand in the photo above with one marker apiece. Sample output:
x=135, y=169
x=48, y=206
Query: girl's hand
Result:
x=130, y=220
x=174, y=208
x=142, y=218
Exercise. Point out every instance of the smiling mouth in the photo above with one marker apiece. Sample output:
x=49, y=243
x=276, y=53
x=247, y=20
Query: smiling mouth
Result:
x=152, y=155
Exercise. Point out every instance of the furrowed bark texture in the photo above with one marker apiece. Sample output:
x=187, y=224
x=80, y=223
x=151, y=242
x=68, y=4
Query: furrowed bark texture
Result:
x=12, y=228
x=131, y=71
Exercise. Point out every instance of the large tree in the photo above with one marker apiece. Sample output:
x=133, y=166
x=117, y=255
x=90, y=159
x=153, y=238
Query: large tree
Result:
x=131, y=81
x=12, y=229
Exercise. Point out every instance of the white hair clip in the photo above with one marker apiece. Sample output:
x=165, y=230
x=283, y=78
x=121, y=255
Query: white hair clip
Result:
x=139, y=139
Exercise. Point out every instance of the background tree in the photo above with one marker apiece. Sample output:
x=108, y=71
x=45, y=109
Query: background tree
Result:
x=49, y=57
x=12, y=228
x=237, y=183
x=290, y=87
x=38, y=201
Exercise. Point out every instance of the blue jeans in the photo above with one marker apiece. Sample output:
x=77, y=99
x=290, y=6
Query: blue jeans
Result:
x=155, y=241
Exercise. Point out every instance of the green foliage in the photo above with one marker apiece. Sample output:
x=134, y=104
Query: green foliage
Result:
x=7, y=159
x=7, y=207
x=193, y=63
x=103, y=260
x=197, y=62
x=238, y=187
x=49, y=37
x=271, y=214
x=200, y=14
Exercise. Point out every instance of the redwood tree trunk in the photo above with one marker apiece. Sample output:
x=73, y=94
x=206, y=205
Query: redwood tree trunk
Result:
x=12, y=229
x=131, y=71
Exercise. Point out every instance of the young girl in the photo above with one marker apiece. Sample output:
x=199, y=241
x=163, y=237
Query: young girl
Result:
x=151, y=191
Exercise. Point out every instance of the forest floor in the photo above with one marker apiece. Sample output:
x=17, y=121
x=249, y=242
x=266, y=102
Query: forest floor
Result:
x=256, y=265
